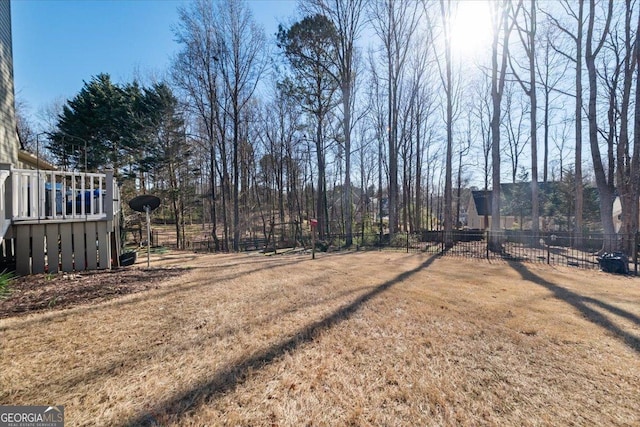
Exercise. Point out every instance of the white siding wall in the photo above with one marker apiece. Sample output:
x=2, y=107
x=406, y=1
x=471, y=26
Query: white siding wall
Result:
x=8, y=136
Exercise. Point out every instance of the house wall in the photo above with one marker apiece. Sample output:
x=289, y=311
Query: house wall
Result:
x=8, y=136
x=617, y=214
x=474, y=221
x=506, y=223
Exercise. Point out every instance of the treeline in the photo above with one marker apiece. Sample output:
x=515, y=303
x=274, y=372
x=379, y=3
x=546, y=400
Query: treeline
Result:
x=363, y=114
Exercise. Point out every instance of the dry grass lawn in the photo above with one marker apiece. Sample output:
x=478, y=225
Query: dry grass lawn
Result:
x=373, y=338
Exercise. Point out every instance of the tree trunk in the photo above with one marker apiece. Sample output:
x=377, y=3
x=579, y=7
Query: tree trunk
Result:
x=346, y=123
x=418, y=186
x=579, y=192
x=321, y=214
x=214, y=219
x=236, y=172
x=380, y=211
x=545, y=172
x=497, y=89
x=448, y=184
x=393, y=155
x=627, y=166
x=535, y=213
x=605, y=187
x=635, y=209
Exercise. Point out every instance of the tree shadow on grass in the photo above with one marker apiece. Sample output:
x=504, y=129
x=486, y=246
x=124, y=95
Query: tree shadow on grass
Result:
x=127, y=360
x=229, y=377
x=581, y=302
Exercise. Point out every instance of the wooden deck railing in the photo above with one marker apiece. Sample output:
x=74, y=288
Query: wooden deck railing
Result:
x=54, y=196
x=58, y=221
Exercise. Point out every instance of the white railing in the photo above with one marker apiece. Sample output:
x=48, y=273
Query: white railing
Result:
x=55, y=195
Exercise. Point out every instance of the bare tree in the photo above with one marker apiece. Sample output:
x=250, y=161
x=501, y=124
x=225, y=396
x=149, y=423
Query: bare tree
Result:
x=576, y=36
x=463, y=150
x=527, y=34
x=367, y=165
x=395, y=23
x=628, y=156
x=278, y=131
x=346, y=16
x=310, y=50
x=448, y=86
x=503, y=23
x=195, y=72
x=173, y=152
x=242, y=59
x=378, y=123
x=423, y=104
x=514, y=114
x=559, y=139
x=605, y=185
x=636, y=126
x=25, y=127
x=551, y=70
x=482, y=113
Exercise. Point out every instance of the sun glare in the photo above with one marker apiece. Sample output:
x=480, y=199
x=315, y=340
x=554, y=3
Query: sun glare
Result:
x=470, y=28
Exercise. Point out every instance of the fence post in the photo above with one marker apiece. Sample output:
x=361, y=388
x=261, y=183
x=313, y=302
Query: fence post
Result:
x=635, y=252
x=488, y=236
x=407, y=241
x=548, y=244
x=110, y=198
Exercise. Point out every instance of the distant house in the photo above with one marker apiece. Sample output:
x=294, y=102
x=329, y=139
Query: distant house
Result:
x=555, y=208
x=479, y=212
x=50, y=220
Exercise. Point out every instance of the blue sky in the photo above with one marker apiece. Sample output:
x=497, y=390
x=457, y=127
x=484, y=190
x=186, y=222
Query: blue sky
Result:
x=58, y=44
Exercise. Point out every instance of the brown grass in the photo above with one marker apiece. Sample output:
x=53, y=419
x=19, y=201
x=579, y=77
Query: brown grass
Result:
x=348, y=339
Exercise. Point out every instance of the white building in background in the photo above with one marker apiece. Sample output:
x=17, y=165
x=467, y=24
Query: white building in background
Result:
x=617, y=214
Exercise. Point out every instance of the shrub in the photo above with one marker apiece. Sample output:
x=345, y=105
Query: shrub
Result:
x=5, y=279
x=369, y=240
x=399, y=240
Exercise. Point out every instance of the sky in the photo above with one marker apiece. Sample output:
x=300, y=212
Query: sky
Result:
x=59, y=44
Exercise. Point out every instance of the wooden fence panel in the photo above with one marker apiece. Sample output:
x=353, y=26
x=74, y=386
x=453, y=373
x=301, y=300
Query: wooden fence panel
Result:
x=104, y=248
x=66, y=247
x=23, y=260
x=92, y=248
x=53, y=248
x=79, y=248
x=37, y=249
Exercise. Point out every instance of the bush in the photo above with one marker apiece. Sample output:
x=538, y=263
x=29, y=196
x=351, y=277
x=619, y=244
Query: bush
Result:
x=369, y=240
x=322, y=246
x=399, y=240
x=5, y=279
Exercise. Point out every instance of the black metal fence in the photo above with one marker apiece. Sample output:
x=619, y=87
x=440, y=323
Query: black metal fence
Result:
x=552, y=248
